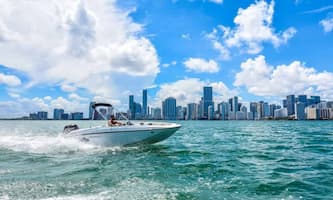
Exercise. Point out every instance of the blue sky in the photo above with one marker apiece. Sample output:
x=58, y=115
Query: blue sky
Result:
x=65, y=54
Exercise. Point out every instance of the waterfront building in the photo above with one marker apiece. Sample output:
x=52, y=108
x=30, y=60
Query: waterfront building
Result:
x=300, y=111
x=315, y=99
x=291, y=104
x=65, y=116
x=138, y=111
x=224, y=110
x=260, y=110
x=266, y=110
x=312, y=113
x=253, y=108
x=91, y=110
x=33, y=116
x=211, y=112
x=284, y=103
x=57, y=112
x=180, y=113
x=230, y=105
x=191, y=111
x=250, y=116
x=77, y=115
x=272, y=108
x=235, y=104
x=207, y=100
x=240, y=115
x=144, y=103
x=169, y=108
x=200, y=109
x=243, y=109
x=281, y=113
x=156, y=113
x=324, y=113
x=303, y=99
x=42, y=115
x=231, y=116
x=131, y=107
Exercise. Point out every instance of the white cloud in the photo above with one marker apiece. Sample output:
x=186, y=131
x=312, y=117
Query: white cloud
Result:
x=327, y=24
x=200, y=65
x=253, y=29
x=173, y=63
x=77, y=44
x=186, y=36
x=190, y=90
x=68, y=88
x=9, y=80
x=262, y=79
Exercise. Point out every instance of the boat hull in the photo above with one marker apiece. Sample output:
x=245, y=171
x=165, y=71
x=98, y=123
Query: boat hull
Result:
x=125, y=136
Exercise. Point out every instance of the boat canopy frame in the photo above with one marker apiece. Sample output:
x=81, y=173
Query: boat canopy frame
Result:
x=94, y=106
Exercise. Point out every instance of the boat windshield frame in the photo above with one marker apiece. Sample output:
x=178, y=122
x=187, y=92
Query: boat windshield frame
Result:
x=96, y=105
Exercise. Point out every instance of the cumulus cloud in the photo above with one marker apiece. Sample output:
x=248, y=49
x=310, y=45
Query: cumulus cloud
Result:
x=9, y=80
x=253, y=28
x=200, y=65
x=76, y=44
x=263, y=79
x=327, y=24
x=190, y=90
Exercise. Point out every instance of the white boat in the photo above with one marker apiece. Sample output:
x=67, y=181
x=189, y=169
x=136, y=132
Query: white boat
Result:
x=126, y=134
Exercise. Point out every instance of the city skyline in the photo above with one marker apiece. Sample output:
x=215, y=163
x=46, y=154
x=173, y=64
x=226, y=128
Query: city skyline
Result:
x=291, y=107
x=99, y=50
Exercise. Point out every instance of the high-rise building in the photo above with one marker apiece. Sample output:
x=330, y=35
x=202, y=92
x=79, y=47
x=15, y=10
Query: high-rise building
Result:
x=77, y=116
x=144, y=103
x=169, y=108
x=131, y=107
x=191, y=111
x=303, y=99
x=281, y=113
x=224, y=110
x=300, y=111
x=231, y=109
x=91, y=110
x=57, y=112
x=180, y=113
x=207, y=100
x=266, y=110
x=42, y=115
x=253, y=108
x=211, y=112
x=315, y=99
x=272, y=108
x=138, y=111
x=291, y=104
x=156, y=113
x=235, y=104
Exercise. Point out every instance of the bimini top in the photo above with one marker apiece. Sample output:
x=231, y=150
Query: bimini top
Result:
x=100, y=104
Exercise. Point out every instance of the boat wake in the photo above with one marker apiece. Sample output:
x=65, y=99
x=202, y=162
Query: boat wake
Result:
x=49, y=144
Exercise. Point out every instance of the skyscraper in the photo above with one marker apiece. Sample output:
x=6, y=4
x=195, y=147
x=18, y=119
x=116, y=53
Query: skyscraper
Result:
x=57, y=113
x=235, y=104
x=131, y=107
x=207, y=100
x=224, y=109
x=91, y=110
x=191, y=111
x=144, y=103
x=291, y=104
x=300, y=111
x=303, y=99
x=169, y=108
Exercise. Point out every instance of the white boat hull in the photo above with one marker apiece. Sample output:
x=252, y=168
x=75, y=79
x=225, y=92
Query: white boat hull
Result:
x=129, y=135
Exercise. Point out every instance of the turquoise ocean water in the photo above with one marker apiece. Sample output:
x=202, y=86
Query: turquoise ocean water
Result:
x=203, y=160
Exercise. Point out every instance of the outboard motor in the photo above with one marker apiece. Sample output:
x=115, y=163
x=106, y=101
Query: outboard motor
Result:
x=70, y=128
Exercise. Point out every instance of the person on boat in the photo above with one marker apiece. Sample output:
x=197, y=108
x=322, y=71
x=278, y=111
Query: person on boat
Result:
x=114, y=122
